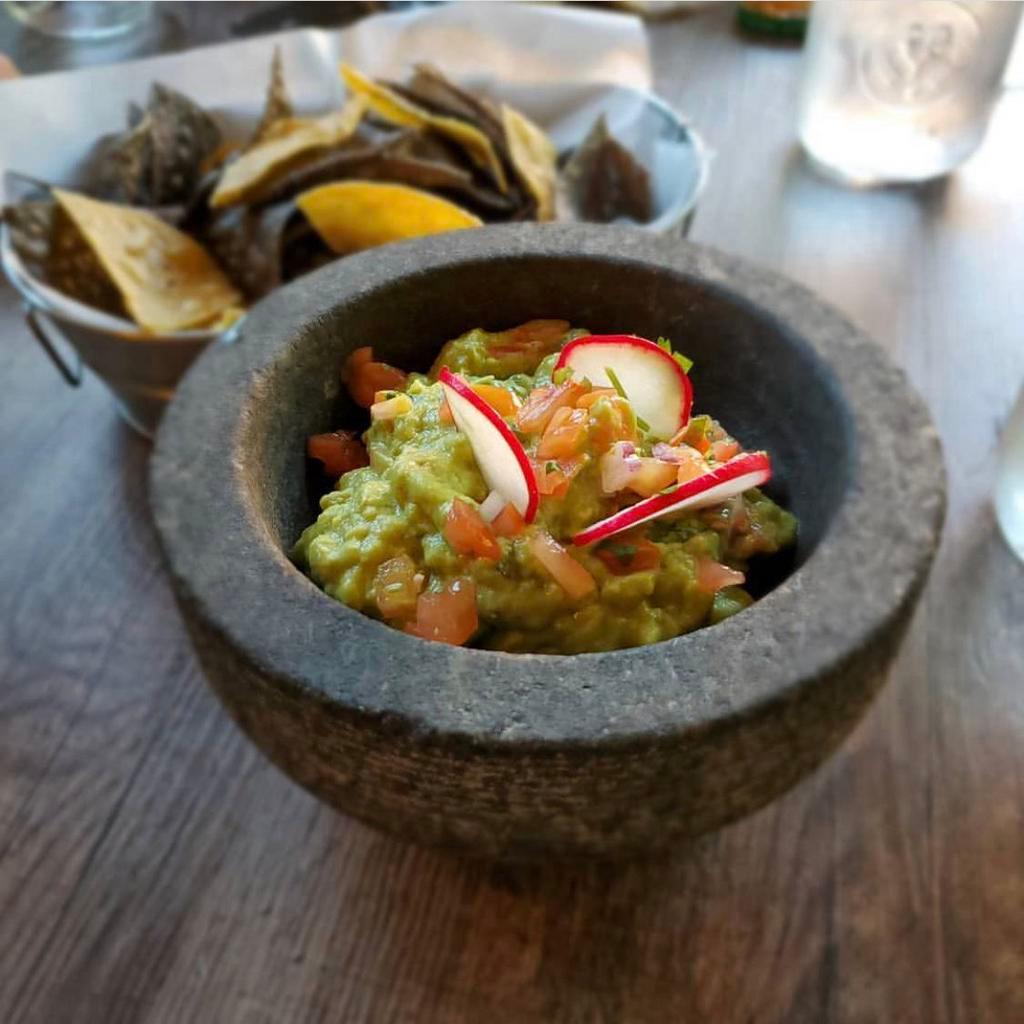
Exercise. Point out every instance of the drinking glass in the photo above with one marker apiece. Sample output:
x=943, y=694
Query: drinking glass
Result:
x=80, y=19
x=1009, y=496
x=901, y=90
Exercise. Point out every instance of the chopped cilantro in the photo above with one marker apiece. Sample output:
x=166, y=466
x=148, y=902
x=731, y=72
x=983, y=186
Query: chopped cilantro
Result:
x=616, y=383
x=666, y=345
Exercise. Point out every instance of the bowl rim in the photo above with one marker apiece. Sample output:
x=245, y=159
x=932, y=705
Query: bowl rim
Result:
x=881, y=541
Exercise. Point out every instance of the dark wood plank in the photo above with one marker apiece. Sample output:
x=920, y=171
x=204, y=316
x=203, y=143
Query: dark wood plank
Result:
x=153, y=868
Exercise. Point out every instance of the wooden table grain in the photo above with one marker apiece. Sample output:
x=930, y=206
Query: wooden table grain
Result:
x=155, y=869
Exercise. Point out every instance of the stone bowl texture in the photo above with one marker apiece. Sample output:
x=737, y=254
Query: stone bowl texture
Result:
x=529, y=756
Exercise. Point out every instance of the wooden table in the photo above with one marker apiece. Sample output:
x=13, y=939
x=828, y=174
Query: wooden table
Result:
x=154, y=868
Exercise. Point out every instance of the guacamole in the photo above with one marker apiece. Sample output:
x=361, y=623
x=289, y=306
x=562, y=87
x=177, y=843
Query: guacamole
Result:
x=414, y=534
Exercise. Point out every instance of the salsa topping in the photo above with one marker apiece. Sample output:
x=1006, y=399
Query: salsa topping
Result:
x=554, y=494
x=711, y=488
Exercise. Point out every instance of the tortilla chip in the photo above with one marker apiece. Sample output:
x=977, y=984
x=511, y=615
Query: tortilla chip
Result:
x=278, y=105
x=430, y=89
x=213, y=161
x=605, y=181
x=182, y=135
x=303, y=250
x=134, y=115
x=534, y=157
x=223, y=320
x=387, y=104
x=157, y=160
x=343, y=161
x=129, y=164
x=54, y=251
x=248, y=244
x=287, y=144
x=354, y=215
x=168, y=281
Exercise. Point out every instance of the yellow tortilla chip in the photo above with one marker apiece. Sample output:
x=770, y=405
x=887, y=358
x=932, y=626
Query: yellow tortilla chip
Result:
x=399, y=110
x=167, y=280
x=534, y=157
x=286, y=143
x=226, y=318
x=354, y=215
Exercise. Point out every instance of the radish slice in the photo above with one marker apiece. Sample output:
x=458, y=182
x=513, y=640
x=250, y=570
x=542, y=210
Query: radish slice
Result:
x=498, y=452
x=655, y=384
x=720, y=484
x=492, y=506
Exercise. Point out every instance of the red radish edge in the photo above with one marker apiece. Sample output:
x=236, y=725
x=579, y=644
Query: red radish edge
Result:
x=462, y=388
x=637, y=342
x=756, y=465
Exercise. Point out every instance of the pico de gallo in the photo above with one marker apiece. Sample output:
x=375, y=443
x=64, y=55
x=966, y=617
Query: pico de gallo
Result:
x=541, y=489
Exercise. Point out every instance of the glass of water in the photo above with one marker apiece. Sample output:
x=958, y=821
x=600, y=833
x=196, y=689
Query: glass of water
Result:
x=1009, y=496
x=81, y=20
x=901, y=90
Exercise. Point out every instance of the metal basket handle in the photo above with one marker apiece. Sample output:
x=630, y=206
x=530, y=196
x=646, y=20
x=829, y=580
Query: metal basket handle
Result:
x=73, y=376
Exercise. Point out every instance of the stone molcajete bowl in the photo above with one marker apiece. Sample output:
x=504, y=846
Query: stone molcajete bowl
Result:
x=521, y=756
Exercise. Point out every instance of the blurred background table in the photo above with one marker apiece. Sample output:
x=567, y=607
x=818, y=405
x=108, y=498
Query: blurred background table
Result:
x=154, y=868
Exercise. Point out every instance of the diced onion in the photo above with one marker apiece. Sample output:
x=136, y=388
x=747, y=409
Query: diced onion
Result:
x=390, y=408
x=618, y=465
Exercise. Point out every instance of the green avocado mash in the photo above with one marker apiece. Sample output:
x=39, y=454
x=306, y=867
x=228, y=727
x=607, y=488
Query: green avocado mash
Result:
x=419, y=464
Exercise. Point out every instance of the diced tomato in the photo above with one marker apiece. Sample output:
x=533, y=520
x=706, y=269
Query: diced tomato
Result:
x=468, y=534
x=542, y=472
x=560, y=417
x=723, y=451
x=501, y=400
x=395, y=588
x=565, y=434
x=449, y=617
x=651, y=476
x=365, y=377
x=689, y=462
x=712, y=576
x=554, y=477
x=587, y=400
x=695, y=434
x=542, y=404
x=572, y=577
x=339, y=451
x=611, y=422
x=508, y=522
x=542, y=335
x=629, y=553
x=691, y=466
